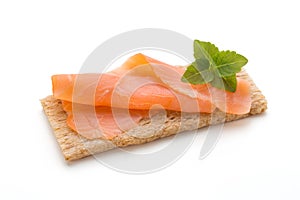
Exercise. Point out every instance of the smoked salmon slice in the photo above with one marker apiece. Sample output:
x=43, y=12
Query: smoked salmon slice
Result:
x=142, y=82
x=92, y=101
x=101, y=121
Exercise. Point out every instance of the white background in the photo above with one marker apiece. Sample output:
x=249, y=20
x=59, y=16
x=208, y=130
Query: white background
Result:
x=256, y=158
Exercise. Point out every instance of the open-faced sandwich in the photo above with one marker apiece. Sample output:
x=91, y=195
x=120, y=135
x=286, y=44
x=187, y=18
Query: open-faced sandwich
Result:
x=92, y=113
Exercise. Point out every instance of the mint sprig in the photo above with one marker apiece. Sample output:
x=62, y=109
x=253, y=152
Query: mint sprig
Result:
x=212, y=66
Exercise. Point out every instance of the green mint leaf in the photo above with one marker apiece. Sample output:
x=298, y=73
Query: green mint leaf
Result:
x=212, y=66
x=201, y=64
x=204, y=50
x=217, y=82
x=228, y=83
x=229, y=63
x=194, y=76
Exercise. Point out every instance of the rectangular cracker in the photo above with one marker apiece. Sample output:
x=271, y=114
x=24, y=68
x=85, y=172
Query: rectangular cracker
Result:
x=74, y=147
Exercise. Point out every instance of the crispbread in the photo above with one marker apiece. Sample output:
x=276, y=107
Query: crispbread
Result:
x=74, y=146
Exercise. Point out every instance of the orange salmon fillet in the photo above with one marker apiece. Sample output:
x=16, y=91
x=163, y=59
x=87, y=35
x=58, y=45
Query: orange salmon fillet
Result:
x=139, y=85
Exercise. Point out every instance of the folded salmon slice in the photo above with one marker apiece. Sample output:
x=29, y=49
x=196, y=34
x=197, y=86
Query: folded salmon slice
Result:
x=134, y=86
x=101, y=121
x=142, y=82
x=137, y=86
